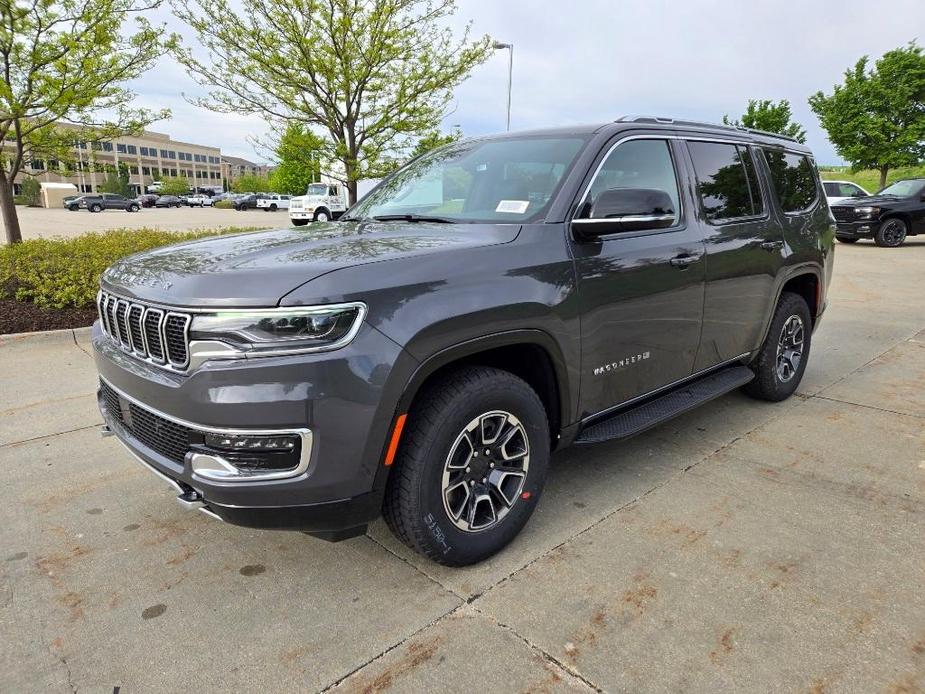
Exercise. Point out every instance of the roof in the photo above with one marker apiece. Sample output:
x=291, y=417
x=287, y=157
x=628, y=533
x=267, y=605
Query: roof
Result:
x=55, y=185
x=238, y=161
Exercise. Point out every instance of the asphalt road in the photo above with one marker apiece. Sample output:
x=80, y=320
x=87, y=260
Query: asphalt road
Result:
x=746, y=546
x=37, y=222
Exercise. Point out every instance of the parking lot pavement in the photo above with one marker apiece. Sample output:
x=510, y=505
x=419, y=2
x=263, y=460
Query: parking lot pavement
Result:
x=37, y=222
x=745, y=546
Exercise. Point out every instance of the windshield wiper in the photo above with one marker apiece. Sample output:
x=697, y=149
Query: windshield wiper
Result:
x=413, y=218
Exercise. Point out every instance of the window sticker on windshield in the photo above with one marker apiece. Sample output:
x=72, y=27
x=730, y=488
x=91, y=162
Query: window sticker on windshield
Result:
x=512, y=206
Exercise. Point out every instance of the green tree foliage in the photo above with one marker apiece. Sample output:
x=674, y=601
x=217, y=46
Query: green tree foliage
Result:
x=66, y=60
x=298, y=155
x=252, y=183
x=876, y=118
x=373, y=74
x=32, y=192
x=174, y=185
x=117, y=181
x=764, y=114
x=434, y=139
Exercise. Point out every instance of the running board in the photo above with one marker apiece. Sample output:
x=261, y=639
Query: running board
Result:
x=664, y=407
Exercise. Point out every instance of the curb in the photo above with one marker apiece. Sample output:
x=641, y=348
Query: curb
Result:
x=67, y=336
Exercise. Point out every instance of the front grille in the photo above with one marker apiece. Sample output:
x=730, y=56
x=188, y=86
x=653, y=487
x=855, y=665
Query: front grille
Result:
x=843, y=214
x=168, y=438
x=156, y=335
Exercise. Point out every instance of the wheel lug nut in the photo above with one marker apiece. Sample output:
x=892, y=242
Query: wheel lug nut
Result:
x=468, y=469
x=475, y=454
x=487, y=451
x=484, y=480
x=491, y=465
x=471, y=483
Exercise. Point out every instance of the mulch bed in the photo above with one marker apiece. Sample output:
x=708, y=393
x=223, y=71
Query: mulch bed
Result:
x=25, y=317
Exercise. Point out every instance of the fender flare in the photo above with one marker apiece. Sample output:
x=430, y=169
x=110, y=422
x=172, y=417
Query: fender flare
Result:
x=786, y=275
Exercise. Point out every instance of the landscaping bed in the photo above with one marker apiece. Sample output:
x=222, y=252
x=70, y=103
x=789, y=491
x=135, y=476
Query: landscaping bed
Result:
x=50, y=284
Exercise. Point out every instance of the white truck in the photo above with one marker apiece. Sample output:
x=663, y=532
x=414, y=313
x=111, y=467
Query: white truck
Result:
x=324, y=201
x=271, y=203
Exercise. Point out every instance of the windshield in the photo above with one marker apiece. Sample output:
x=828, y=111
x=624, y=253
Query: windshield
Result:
x=317, y=189
x=903, y=189
x=499, y=180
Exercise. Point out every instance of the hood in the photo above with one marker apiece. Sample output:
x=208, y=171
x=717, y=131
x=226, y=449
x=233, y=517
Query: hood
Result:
x=867, y=201
x=259, y=268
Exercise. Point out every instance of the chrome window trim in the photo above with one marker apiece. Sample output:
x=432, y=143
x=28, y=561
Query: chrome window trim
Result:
x=305, y=435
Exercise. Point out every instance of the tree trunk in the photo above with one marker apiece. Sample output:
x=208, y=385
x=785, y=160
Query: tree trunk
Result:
x=883, y=173
x=8, y=211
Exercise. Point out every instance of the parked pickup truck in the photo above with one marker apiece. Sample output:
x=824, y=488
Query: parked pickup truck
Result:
x=102, y=201
x=889, y=217
x=490, y=302
x=272, y=203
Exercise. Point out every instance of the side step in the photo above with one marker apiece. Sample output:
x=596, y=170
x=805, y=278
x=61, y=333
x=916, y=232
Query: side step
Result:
x=664, y=407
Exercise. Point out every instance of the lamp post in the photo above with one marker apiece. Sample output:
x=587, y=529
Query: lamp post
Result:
x=497, y=45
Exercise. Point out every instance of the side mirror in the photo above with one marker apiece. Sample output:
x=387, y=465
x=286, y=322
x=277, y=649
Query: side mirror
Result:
x=625, y=209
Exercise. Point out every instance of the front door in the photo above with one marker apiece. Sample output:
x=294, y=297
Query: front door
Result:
x=641, y=292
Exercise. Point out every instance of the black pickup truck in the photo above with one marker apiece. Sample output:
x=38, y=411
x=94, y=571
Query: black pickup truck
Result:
x=889, y=217
x=102, y=201
x=492, y=301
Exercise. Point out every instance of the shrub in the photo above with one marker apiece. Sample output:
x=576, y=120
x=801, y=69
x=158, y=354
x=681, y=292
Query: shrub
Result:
x=225, y=204
x=21, y=200
x=32, y=192
x=58, y=273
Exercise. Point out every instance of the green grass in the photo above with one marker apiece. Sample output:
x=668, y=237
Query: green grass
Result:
x=65, y=272
x=869, y=179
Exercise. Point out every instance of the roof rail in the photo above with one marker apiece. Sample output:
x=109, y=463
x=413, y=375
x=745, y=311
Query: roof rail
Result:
x=657, y=120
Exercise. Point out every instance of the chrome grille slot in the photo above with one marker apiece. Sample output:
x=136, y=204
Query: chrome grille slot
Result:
x=156, y=335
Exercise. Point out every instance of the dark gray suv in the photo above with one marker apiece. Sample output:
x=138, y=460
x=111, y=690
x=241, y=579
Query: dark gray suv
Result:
x=492, y=301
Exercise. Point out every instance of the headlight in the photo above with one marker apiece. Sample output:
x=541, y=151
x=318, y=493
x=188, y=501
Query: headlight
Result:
x=288, y=330
x=867, y=211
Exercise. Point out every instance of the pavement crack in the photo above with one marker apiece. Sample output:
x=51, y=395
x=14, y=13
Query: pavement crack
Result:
x=544, y=654
x=78, y=345
x=419, y=570
x=48, y=436
x=870, y=407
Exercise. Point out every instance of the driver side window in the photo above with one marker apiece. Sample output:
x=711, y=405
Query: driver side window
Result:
x=638, y=164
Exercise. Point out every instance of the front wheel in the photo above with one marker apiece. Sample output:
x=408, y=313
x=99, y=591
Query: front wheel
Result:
x=891, y=233
x=322, y=216
x=133, y=208
x=96, y=208
x=471, y=466
x=781, y=362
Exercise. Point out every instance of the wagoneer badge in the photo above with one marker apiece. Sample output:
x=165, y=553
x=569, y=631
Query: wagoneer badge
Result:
x=623, y=363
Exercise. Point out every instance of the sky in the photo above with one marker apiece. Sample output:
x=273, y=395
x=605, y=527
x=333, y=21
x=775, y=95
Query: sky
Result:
x=590, y=61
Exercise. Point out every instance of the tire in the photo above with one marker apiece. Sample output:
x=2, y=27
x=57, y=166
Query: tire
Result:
x=96, y=208
x=892, y=233
x=299, y=222
x=273, y=208
x=436, y=459
x=322, y=216
x=133, y=208
x=776, y=374
x=846, y=239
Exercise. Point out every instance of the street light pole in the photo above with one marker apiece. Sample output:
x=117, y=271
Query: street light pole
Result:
x=497, y=45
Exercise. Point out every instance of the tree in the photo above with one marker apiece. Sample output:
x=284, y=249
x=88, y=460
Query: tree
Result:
x=174, y=185
x=298, y=160
x=252, y=183
x=434, y=139
x=764, y=114
x=876, y=118
x=373, y=74
x=65, y=61
x=32, y=191
x=117, y=181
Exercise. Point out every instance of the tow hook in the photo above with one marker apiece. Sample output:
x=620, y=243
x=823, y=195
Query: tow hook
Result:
x=105, y=431
x=191, y=500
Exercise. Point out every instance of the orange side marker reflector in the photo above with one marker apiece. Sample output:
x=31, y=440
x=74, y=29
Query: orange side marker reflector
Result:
x=396, y=435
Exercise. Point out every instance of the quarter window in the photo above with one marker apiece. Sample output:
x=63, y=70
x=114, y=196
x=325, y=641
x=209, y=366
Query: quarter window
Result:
x=794, y=178
x=726, y=181
x=638, y=164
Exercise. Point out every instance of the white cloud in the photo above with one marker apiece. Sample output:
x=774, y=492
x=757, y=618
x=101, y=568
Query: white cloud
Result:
x=594, y=60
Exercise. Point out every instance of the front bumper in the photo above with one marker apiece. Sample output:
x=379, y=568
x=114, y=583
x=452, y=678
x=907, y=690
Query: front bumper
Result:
x=345, y=398
x=864, y=229
x=301, y=214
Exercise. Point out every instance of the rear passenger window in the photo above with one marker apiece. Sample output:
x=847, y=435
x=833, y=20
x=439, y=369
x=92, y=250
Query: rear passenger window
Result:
x=726, y=181
x=794, y=178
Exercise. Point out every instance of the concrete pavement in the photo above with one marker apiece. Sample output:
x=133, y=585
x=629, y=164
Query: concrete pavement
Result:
x=745, y=546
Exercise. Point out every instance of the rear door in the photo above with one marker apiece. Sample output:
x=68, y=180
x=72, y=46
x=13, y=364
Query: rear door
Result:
x=641, y=292
x=744, y=248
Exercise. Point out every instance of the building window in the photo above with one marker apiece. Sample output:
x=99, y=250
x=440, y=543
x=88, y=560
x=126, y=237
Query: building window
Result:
x=146, y=170
x=121, y=149
x=144, y=151
x=173, y=172
x=132, y=149
x=86, y=188
x=107, y=146
x=133, y=169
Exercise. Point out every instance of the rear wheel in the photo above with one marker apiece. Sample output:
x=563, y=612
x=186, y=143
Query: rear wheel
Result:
x=781, y=362
x=891, y=233
x=847, y=239
x=133, y=208
x=96, y=208
x=471, y=466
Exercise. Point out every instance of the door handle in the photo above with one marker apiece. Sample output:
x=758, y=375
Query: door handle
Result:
x=682, y=261
x=772, y=245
